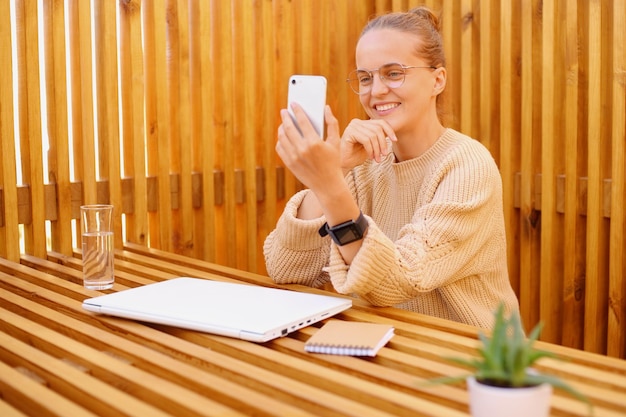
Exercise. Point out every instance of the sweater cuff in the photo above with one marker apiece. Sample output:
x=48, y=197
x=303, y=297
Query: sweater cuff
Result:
x=296, y=233
x=368, y=266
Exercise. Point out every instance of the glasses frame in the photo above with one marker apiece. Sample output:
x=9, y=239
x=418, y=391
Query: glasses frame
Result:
x=382, y=77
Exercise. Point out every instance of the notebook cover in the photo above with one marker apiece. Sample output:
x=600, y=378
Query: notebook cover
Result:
x=338, y=337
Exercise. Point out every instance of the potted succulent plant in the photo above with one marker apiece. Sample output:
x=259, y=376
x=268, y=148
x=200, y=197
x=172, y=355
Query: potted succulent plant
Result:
x=504, y=373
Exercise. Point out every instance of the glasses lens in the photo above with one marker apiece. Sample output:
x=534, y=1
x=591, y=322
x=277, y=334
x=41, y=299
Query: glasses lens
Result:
x=392, y=75
x=360, y=81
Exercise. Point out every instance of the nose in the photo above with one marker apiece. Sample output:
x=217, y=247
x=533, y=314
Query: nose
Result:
x=378, y=85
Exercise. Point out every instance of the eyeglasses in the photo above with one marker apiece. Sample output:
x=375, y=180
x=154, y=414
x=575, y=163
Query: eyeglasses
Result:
x=392, y=75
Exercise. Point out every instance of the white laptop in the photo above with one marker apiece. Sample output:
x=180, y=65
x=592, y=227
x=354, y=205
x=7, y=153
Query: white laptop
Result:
x=247, y=312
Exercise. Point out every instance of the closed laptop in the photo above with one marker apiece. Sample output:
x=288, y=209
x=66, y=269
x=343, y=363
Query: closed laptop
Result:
x=242, y=311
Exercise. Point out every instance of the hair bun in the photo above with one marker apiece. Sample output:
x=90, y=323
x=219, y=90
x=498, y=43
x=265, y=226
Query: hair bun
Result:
x=424, y=13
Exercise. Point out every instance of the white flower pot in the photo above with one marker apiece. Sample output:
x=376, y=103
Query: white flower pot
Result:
x=488, y=401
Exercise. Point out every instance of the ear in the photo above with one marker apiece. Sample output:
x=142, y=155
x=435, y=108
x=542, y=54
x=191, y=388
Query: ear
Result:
x=440, y=81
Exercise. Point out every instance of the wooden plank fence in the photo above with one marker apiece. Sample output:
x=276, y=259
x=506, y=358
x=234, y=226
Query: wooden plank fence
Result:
x=168, y=109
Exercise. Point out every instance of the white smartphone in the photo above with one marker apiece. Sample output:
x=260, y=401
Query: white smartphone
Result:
x=309, y=91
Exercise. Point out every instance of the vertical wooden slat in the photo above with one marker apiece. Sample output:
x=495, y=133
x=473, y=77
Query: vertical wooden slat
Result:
x=284, y=43
x=163, y=145
x=244, y=124
x=351, y=107
x=210, y=130
x=551, y=255
x=199, y=129
x=381, y=5
x=291, y=14
x=530, y=284
x=187, y=237
x=9, y=229
x=82, y=100
x=108, y=127
x=151, y=117
x=252, y=34
x=305, y=34
x=267, y=209
x=113, y=142
x=57, y=118
x=140, y=215
x=451, y=16
x=508, y=141
x=574, y=224
x=133, y=132
x=535, y=150
x=467, y=61
x=178, y=110
x=596, y=287
x=488, y=45
x=88, y=133
x=170, y=152
x=29, y=108
x=224, y=118
x=397, y=5
x=617, y=269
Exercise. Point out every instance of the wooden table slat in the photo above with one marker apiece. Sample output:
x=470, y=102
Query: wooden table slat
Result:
x=34, y=398
x=71, y=383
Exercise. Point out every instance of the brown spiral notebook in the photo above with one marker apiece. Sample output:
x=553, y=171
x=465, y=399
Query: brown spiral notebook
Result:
x=350, y=338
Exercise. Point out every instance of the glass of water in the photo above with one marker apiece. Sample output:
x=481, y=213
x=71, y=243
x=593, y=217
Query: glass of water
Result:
x=97, y=237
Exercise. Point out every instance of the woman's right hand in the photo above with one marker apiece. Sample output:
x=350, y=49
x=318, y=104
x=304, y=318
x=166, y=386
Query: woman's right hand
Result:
x=314, y=161
x=364, y=139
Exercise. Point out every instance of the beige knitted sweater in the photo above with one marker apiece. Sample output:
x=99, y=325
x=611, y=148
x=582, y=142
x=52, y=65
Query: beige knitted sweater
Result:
x=435, y=243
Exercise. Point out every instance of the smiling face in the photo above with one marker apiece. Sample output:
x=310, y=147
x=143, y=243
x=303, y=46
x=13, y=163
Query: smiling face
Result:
x=412, y=106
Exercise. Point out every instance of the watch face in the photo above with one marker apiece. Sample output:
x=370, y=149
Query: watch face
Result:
x=348, y=234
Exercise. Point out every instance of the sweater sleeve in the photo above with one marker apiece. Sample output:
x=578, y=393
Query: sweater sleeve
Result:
x=294, y=251
x=455, y=234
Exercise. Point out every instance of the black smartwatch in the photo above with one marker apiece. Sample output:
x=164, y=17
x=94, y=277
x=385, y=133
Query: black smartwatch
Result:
x=346, y=232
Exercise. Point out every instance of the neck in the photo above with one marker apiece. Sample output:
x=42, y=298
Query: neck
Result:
x=413, y=144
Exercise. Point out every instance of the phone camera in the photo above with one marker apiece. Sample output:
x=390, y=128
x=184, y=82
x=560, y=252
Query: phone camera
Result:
x=293, y=82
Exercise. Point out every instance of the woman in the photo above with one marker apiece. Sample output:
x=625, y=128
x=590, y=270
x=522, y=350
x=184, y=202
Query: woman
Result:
x=399, y=210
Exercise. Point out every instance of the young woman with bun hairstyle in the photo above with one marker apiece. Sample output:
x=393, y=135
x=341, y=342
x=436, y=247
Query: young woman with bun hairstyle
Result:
x=399, y=210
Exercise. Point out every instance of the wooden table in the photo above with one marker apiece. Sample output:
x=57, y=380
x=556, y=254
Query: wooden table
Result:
x=58, y=359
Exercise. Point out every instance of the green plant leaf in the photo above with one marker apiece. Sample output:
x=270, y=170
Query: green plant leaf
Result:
x=494, y=347
x=471, y=363
x=535, y=355
x=517, y=354
x=534, y=333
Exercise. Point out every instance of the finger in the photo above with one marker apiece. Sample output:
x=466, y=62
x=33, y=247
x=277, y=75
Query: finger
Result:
x=389, y=133
x=381, y=132
x=286, y=119
x=283, y=144
x=290, y=131
x=372, y=137
x=288, y=138
x=332, y=127
x=303, y=122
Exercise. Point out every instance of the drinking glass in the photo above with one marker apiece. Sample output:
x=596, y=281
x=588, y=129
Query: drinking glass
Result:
x=97, y=239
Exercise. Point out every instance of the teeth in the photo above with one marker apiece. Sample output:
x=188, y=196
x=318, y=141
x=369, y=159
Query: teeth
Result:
x=386, y=107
